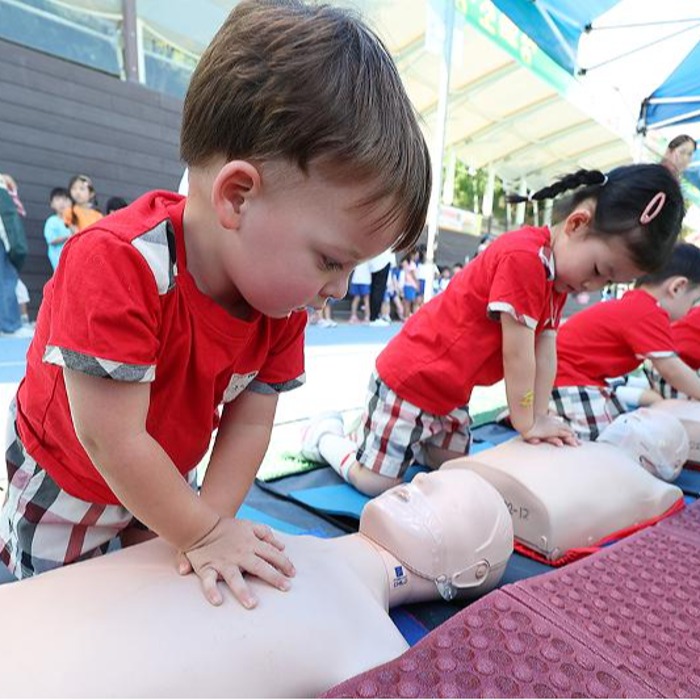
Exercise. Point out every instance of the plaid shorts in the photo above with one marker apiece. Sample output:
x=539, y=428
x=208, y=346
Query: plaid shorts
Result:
x=393, y=432
x=661, y=386
x=42, y=526
x=587, y=409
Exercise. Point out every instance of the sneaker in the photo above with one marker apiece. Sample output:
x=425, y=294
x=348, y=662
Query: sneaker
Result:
x=379, y=323
x=21, y=332
x=323, y=423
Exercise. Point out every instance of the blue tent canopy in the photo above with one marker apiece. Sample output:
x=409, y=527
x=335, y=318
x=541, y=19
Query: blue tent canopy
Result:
x=555, y=25
x=677, y=99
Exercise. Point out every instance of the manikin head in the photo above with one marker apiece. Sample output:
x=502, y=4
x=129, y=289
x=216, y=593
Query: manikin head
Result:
x=656, y=439
x=451, y=528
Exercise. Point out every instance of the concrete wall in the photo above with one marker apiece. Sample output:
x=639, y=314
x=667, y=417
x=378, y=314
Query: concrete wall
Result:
x=58, y=119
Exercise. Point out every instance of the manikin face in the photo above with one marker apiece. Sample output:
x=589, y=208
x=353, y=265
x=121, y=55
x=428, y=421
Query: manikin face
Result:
x=585, y=262
x=298, y=238
x=451, y=527
x=656, y=439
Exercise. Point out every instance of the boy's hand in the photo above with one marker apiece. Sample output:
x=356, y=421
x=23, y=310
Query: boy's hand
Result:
x=552, y=430
x=233, y=547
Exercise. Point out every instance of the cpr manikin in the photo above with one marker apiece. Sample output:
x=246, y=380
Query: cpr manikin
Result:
x=126, y=624
x=566, y=499
x=688, y=413
x=656, y=439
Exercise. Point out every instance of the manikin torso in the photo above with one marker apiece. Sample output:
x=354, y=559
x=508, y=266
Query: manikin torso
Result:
x=165, y=640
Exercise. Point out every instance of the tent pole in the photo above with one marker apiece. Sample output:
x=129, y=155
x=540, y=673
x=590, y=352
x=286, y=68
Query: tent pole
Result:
x=448, y=15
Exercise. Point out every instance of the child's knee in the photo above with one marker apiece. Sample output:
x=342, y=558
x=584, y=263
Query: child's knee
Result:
x=369, y=482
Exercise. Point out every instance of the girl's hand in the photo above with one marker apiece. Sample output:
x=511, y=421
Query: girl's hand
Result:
x=235, y=547
x=552, y=430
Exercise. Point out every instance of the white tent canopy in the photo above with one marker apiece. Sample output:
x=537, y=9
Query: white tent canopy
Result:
x=500, y=111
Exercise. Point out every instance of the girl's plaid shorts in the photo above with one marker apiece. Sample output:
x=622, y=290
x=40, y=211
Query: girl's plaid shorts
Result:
x=393, y=432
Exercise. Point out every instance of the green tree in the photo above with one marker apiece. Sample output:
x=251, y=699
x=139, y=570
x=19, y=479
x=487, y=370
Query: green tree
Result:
x=470, y=185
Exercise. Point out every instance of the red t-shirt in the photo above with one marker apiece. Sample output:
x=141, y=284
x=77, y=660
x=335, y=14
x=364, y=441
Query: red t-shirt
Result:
x=686, y=338
x=611, y=338
x=454, y=342
x=122, y=305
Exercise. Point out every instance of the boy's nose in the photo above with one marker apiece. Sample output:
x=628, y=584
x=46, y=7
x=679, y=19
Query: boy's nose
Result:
x=336, y=288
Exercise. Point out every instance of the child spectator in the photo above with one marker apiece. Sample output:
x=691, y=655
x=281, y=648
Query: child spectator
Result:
x=84, y=211
x=498, y=319
x=115, y=204
x=56, y=233
x=610, y=339
x=410, y=287
x=22, y=295
x=393, y=294
x=445, y=277
x=360, y=287
x=175, y=316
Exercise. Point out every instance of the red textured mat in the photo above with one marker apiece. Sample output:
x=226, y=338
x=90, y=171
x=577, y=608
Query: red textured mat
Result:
x=685, y=524
x=624, y=622
x=637, y=604
x=497, y=647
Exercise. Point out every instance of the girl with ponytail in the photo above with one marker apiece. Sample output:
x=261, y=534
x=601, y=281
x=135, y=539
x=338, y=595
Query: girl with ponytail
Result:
x=498, y=319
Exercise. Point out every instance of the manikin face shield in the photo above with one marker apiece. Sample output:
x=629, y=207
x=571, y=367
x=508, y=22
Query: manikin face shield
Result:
x=450, y=527
x=656, y=439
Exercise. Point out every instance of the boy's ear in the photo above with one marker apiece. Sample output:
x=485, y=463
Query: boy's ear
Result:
x=237, y=181
x=578, y=221
x=677, y=285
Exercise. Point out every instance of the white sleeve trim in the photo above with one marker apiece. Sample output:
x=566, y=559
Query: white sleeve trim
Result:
x=659, y=354
x=497, y=307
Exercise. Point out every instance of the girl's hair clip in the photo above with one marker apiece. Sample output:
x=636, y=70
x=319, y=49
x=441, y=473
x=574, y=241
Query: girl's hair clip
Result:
x=653, y=209
x=604, y=181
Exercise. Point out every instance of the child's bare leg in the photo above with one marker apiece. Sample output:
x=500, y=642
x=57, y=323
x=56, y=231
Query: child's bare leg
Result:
x=325, y=441
x=437, y=456
x=649, y=397
x=135, y=535
x=368, y=482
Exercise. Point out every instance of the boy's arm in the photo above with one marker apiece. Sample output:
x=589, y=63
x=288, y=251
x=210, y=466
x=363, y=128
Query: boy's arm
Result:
x=241, y=443
x=110, y=422
x=520, y=369
x=678, y=375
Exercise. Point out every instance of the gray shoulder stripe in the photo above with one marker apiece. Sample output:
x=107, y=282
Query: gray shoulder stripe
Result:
x=157, y=247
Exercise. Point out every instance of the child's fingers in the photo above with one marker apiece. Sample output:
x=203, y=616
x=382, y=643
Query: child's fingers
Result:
x=265, y=533
x=183, y=564
x=208, y=578
x=267, y=572
x=240, y=589
x=275, y=558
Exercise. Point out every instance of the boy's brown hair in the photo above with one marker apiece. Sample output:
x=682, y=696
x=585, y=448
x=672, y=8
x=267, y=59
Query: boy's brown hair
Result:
x=310, y=84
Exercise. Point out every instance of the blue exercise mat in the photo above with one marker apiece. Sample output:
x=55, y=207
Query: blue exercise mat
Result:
x=689, y=482
x=322, y=491
x=245, y=512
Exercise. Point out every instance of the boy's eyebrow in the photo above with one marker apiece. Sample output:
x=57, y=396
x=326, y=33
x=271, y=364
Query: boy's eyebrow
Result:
x=345, y=253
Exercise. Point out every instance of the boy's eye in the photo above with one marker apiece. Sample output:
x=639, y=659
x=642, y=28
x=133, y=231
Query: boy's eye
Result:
x=330, y=265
